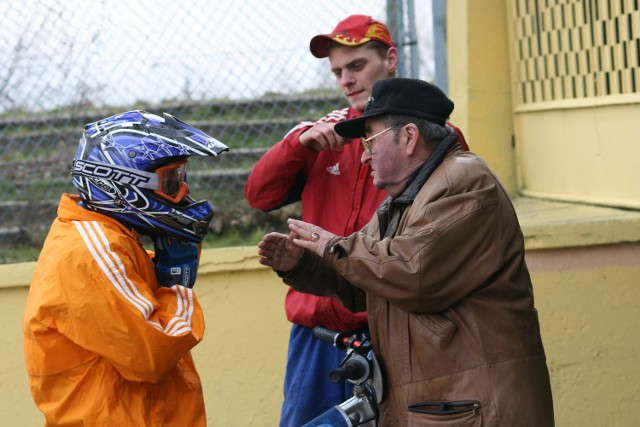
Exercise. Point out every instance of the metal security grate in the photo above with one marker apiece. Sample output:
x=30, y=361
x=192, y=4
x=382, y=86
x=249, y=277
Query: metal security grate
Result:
x=570, y=49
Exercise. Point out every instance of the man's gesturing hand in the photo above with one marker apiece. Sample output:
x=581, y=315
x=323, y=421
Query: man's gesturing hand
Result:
x=277, y=251
x=309, y=236
x=282, y=252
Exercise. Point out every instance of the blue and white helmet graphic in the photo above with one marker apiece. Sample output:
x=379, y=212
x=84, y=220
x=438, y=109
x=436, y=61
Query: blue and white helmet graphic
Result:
x=116, y=172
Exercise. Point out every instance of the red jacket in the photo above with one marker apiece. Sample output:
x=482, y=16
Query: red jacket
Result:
x=338, y=195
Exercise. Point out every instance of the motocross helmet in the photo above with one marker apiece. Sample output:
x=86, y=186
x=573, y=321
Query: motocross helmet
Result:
x=131, y=167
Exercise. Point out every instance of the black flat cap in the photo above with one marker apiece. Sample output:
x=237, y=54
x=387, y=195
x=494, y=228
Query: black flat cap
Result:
x=407, y=97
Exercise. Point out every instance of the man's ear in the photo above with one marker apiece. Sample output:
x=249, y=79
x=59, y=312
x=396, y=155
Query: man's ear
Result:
x=392, y=61
x=410, y=138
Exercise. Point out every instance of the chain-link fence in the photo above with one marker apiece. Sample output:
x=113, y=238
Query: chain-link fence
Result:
x=238, y=69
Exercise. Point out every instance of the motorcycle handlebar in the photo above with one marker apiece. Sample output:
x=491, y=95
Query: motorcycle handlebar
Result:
x=354, y=370
x=340, y=340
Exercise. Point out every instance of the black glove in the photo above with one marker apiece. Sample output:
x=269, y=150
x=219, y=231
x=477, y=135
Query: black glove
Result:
x=176, y=261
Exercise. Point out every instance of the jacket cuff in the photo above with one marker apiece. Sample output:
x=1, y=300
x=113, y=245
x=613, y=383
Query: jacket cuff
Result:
x=293, y=142
x=296, y=270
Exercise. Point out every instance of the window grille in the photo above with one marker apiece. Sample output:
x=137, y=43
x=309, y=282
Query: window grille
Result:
x=570, y=49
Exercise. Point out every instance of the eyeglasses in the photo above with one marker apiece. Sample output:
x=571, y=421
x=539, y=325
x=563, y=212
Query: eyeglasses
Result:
x=173, y=181
x=367, y=143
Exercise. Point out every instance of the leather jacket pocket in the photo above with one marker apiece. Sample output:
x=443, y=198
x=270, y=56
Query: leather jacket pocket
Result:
x=460, y=413
x=437, y=323
x=431, y=354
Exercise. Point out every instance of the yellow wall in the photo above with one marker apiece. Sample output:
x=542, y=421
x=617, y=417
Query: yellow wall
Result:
x=241, y=359
x=584, y=260
x=585, y=265
x=552, y=143
x=479, y=83
x=581, y=152
x=587, y=299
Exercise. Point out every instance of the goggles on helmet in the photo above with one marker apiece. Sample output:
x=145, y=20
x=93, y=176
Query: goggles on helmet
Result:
x=172, y=181
x=168, y=181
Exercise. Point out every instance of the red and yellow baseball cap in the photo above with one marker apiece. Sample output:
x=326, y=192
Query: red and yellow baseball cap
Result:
x=352, y=31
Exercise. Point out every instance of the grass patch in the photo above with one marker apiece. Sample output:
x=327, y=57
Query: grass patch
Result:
x=19, y=254
x=234, y=238
x=230, y=239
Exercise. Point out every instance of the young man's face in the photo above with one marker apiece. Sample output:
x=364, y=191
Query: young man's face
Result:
x=356, y=70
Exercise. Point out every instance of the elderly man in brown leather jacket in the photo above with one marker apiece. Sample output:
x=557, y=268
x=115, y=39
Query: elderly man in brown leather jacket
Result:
x=440, y=270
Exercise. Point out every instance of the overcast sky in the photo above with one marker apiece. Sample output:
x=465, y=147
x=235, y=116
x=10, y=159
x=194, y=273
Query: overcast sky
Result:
x=54, y=52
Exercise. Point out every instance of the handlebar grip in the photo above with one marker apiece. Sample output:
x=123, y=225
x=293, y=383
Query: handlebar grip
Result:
x=351, y=370
x=324, y=334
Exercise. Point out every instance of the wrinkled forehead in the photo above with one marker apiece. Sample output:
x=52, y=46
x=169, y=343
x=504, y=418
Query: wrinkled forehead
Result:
x=373, y=125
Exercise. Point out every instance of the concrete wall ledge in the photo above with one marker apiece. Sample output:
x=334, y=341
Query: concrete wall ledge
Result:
x=213, y=261
x=545, y=224
x=552, y=224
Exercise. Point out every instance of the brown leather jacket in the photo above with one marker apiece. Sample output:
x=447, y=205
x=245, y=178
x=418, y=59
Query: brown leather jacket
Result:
x=449, y=298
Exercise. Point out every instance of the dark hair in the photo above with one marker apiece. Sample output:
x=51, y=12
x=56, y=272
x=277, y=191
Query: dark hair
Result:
x=432, y=133
x=379, y=47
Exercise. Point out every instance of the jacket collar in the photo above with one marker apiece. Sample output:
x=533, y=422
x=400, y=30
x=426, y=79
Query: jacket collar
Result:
x=391, y=209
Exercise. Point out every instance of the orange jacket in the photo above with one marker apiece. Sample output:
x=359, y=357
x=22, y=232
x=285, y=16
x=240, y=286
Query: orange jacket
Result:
x=104, y=344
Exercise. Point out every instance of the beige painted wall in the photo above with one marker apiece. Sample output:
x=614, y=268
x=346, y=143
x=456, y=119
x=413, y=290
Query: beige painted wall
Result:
x=584, y=260
x=587, y=298
x=586, y=278
x=479, y=82
x=241, y=359
x=582, y=149
x=581, y=152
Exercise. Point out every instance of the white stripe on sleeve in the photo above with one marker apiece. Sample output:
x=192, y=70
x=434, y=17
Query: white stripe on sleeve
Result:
x=115, y=271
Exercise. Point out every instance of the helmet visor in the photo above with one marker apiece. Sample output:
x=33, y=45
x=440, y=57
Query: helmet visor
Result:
x=173, y=181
